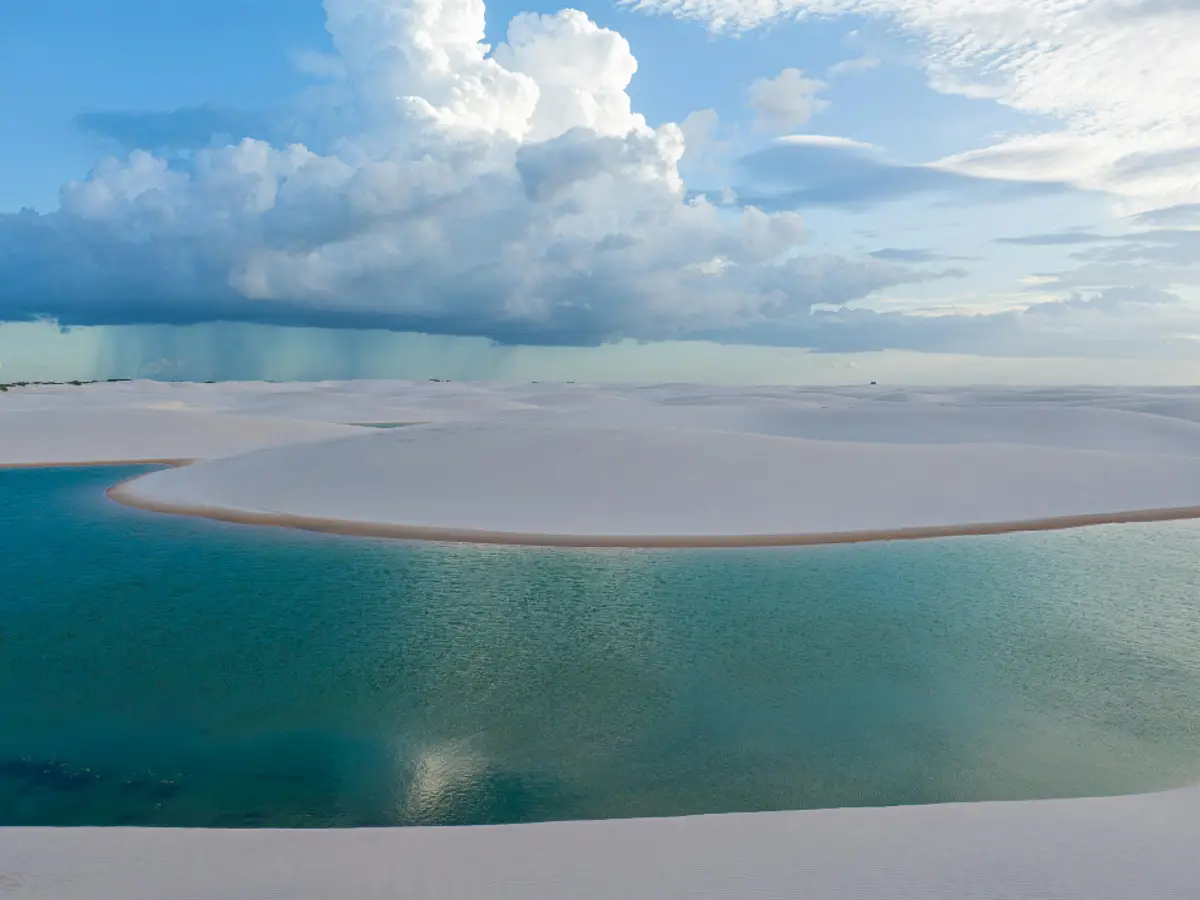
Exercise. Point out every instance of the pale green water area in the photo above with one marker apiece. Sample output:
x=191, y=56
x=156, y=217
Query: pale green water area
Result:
x=163, y=670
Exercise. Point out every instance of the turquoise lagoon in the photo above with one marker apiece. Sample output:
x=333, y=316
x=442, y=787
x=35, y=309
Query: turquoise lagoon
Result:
x=157, y=670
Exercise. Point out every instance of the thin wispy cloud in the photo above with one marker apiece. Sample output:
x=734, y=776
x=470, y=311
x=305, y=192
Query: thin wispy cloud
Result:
x=915, y=255
x=853, y=66
x=1132, y=99
x=1055, y=239
x=808, y=170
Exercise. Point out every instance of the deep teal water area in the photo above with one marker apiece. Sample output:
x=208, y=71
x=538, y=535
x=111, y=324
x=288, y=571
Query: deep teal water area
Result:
x=172, y=671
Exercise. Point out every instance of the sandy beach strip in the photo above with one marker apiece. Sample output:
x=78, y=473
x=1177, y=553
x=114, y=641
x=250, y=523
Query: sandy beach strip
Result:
x=120, y=494
x=537, y=485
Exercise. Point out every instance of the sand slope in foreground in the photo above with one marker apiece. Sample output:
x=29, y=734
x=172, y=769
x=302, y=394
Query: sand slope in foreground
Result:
x=1117, y=848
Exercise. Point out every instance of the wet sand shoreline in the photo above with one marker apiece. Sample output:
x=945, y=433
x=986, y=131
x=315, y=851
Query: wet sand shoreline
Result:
x=120, y=493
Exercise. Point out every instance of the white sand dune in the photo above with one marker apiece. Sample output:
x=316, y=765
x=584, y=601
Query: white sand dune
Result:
x=629, y=460
x=588, y=483
x=66, y=435
x=1122, y=848
x=1048, y=425
x=350, y=402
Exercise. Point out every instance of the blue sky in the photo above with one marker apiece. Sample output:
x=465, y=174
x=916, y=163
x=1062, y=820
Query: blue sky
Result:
x=801, y=190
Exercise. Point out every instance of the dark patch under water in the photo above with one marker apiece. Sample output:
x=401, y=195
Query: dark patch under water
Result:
x=158, y=670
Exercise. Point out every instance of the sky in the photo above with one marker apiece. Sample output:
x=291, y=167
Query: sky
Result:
x=823, y=191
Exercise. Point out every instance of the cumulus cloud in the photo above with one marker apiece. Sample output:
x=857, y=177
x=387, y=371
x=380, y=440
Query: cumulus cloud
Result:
x=786, y=101
x=434, y=184
x=699, y=129
x=452, y=188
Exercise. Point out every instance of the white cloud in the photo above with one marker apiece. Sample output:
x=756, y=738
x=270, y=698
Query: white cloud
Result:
x=699, y=129
x=514, y=195
x=786, y=101
x=853, y=66
x=1120, y=322
x=1114, y=78
x=708, y=151
x=581, y=72
x=1178, y=214
x=517, y=195
x=823, y=140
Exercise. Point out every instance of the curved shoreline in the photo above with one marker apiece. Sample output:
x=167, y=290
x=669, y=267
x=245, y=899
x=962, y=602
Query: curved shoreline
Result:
x=438, y=534
x=119, y=493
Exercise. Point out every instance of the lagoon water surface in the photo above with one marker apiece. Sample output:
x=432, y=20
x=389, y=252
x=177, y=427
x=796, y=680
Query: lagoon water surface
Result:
x=157, y=670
